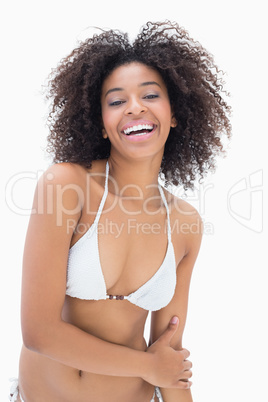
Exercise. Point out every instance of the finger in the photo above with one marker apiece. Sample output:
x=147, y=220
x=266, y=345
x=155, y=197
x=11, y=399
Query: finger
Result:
x=174, y=320
x=184, y=384
x=187, y=365
x=186, y=375
x=170, y=331
x=185, y=353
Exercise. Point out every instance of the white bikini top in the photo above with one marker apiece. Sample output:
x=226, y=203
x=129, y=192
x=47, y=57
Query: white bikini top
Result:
x=85, y=278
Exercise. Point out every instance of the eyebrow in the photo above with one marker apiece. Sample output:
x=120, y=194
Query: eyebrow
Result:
x=143, y=84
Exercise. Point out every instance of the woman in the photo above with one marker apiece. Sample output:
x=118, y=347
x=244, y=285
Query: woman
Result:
x=106, y=243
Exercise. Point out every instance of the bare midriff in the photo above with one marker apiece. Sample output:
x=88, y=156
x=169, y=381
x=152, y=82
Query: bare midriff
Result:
x=117, y=321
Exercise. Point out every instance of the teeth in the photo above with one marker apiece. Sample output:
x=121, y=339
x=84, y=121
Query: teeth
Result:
x=145, y=132
x=138, y=128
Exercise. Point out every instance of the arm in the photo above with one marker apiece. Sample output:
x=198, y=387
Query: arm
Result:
x=56, y=204
x=178, y=307
x=44, y=286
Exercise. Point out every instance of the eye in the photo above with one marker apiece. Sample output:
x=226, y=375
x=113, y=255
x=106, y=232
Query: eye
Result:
x=151, y=96
x=116, y=103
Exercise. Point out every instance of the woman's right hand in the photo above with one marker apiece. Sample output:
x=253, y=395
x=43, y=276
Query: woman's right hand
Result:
x=169, y=367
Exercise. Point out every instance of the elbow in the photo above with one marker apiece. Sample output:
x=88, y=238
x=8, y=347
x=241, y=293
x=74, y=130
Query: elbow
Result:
x=36, y=338
x=42, y=336
x=31, y=340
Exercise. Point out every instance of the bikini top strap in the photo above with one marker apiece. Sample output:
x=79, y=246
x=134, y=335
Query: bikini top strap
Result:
x=168, y=216
x=104, y=195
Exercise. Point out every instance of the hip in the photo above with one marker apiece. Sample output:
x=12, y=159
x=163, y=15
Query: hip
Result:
x=15, y=395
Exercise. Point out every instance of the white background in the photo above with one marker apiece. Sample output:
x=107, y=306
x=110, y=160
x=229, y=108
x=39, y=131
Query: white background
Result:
x=226, y=330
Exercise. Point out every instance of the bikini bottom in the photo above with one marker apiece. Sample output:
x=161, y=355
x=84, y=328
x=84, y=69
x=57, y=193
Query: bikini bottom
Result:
x=14, y=392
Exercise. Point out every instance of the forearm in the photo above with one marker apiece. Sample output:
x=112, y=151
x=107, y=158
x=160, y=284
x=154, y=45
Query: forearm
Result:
x=176, y=395
x=73, y=347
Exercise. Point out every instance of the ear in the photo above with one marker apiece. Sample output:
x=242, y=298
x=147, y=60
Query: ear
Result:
x=104, y=134
x=173, y=122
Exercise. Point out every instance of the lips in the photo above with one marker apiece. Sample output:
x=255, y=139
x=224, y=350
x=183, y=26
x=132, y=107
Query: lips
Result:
x=138, y=131
x=138, y=128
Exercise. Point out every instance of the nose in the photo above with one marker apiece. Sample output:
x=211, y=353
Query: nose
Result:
x=135, y=107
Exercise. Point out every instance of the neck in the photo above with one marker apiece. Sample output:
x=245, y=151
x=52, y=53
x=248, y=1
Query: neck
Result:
x=135, y=178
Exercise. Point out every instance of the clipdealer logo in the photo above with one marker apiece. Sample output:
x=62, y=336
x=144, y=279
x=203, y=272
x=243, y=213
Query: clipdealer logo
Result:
x=244, y=198
x=245, y=201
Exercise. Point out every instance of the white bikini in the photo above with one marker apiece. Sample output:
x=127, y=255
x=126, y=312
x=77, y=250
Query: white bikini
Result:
x=85, y=278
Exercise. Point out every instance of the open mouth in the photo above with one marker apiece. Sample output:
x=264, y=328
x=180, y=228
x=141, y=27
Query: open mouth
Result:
x=139, y=130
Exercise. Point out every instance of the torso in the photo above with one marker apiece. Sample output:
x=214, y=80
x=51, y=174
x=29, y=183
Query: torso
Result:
x=43, y=379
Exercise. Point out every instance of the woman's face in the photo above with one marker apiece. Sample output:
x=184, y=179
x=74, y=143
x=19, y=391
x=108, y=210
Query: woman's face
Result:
x=136, y=111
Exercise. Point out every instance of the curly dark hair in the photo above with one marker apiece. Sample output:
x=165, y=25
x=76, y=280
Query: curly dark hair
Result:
x=194, y=85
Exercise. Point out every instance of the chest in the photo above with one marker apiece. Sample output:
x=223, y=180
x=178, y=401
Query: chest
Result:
x=132, y=244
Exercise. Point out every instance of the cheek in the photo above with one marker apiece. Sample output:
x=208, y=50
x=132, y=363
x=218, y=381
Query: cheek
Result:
x=163, y=108
x=106, y=119
x=109, y=119
x=165, y=115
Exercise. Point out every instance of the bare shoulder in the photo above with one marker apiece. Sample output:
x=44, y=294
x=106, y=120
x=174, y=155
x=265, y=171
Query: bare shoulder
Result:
x=71, y=179
x=64, y=173
x=186, y=223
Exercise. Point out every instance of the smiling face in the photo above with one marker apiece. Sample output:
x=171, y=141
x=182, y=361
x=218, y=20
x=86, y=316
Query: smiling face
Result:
x=136, y=111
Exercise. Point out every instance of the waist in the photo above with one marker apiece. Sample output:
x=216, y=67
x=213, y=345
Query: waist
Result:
x=121, y=324
x=49, y=380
